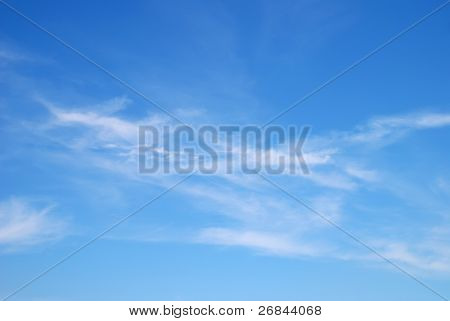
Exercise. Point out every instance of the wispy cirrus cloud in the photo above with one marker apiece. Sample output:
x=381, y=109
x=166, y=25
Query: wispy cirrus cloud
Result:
x=262, y=221
x=393, y=127
x=264, y=242
x=8, y=55
x=22, y=224
x=11, y=55
x=426, y=255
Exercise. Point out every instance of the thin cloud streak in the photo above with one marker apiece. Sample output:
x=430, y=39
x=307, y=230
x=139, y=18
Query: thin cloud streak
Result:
x=22, y=225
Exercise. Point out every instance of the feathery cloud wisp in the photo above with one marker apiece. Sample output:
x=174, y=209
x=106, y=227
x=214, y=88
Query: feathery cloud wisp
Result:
x=22, y=224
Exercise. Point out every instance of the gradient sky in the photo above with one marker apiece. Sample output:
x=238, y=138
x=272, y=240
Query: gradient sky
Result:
x=378, y=150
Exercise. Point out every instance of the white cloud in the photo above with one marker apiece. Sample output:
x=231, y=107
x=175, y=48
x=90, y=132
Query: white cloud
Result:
x=110, y=106
x=395, y=126
x=8, y=55
x=11, y=54
x=424, y=257
x=102, y=127
x=107, y=127
x=361, y=173
x=332, y=179
x=417, y=121
x=22, y=224
x=266, y=242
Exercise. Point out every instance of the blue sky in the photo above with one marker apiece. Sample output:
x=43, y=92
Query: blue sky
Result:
x=377, y=150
